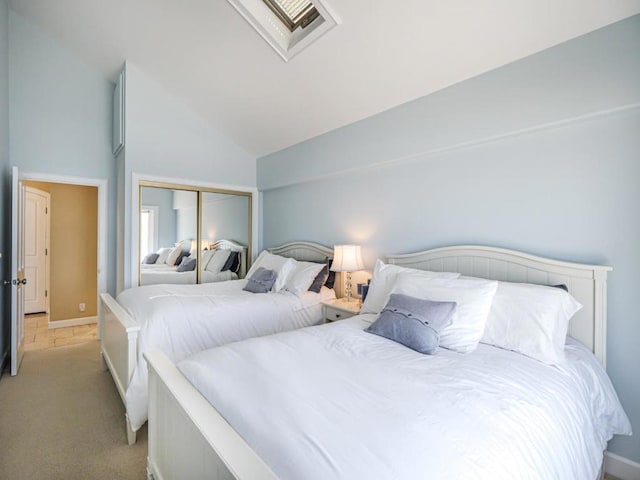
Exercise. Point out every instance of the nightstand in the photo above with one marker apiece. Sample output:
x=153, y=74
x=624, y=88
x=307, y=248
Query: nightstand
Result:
x=340, y=309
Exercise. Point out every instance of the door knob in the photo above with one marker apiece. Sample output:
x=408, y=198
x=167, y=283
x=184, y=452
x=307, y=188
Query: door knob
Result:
x=23, y=281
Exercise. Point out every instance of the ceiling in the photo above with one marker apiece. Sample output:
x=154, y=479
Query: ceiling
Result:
x=380, y=56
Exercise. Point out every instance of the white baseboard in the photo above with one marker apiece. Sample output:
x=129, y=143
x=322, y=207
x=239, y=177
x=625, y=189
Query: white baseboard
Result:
x=621, y=467
x=72, y=322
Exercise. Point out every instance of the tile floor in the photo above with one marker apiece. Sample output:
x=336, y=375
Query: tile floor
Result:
x=38, y=335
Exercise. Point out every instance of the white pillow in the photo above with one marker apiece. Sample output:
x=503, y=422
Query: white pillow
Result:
x=207, y=255
x=530, y=319
x=281, y=265
x=473, y=296
x=163, y=253
x=303, y=276
x=217, y=261
x=173, y=255
x=384, y=277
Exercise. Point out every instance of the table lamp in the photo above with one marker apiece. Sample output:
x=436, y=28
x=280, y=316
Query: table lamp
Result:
x=347, y=258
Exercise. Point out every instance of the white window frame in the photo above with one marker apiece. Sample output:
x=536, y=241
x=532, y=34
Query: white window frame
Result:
x=287, y=44
x=152, y=242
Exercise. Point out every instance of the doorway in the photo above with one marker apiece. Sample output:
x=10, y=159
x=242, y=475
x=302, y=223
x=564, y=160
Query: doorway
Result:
x=69, y=286
x=36, y=250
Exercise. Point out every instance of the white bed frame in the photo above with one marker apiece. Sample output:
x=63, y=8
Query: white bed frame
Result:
x=189, y=439
x=119, y=331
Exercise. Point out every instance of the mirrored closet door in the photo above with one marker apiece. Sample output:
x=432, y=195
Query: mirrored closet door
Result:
x=190, y=235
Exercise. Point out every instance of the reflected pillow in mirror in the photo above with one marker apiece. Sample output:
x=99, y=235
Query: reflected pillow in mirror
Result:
x=173, y=255
x=163, y=253
x=218, y=260
x=187, y=264
x=150, y=258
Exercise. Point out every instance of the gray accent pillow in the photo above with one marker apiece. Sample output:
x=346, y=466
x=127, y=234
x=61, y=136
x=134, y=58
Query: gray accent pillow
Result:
x=150, y=258
x=182, y=255
x=186, y=264
x=413, y=322
x=261, y=281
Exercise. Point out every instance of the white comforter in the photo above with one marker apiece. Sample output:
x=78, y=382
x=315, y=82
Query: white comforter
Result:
x=159, y=275
x=336, y=402
x=184, y=319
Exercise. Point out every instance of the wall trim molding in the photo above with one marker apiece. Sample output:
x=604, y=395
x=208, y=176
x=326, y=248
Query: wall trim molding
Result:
x=621, y=467
x=72, y=322
x=458, y=146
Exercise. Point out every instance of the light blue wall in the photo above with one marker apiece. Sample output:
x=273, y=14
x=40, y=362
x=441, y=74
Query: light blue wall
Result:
x=225, y=217
x=5, y=324
x=60, y=116
x=165, y=138
x=542, y=155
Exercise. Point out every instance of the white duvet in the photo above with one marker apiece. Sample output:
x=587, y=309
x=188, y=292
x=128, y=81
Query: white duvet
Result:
x=334, y=402
x=166, y=274
x=181, y=320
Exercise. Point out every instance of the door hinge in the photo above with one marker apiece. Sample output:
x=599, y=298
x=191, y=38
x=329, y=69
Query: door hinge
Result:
x=46, y=251
x=46, y=293
x=46, y=210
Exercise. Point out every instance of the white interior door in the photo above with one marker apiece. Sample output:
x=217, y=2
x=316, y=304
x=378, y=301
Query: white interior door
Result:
x=17, y=271
x=36, y=249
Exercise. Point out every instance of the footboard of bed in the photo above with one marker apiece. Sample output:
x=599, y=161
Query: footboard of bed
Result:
x=188, y=438
x=119, y=342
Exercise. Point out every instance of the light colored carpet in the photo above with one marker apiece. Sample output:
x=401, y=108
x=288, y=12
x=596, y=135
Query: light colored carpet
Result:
x=62, y=418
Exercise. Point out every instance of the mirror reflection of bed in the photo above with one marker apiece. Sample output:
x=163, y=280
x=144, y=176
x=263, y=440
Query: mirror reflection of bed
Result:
x=172, y=218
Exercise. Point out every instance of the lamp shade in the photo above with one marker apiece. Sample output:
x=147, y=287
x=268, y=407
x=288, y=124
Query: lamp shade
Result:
x=347, y=258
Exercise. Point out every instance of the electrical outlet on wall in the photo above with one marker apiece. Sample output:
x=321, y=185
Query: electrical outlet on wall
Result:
x=82, y=307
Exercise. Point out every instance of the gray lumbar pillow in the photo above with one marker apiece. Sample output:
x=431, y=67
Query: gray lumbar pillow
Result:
x=150, y=259
x=261, y=281
x=413, y=322
x=186, y=264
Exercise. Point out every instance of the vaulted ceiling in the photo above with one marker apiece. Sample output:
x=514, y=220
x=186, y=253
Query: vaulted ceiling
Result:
x=381, y=55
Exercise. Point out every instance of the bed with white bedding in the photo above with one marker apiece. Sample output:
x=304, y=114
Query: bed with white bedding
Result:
x=337, y=402
x=183, y=319
x=356, y=405
x=160, y=273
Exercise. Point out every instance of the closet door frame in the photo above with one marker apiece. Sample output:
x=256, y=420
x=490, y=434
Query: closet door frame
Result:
x=138, y=181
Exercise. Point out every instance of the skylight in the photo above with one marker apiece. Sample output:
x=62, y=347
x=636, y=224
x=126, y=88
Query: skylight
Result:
x=289, y=26
x=293, y=13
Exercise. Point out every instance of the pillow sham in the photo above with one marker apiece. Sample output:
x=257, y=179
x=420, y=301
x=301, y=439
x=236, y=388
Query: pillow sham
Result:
x=187, y=264
x=303, y=276
x=320, y=279
x=150, y=258
x=281, y=265
x=530, y=319
x=384, y=277
x=207, y=255
x=232, y=263
x=173, y=255
x=163, y=253
x=183, y=254
x=413, y=322
x=217, y=261
x=261, y=281
x=473, y=296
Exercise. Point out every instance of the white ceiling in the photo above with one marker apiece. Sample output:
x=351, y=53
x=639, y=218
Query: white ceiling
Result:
x=379, y=57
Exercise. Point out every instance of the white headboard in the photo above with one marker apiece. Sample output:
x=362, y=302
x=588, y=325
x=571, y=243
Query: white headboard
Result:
x=234, y=247
x=303, y=251
x=587, y=283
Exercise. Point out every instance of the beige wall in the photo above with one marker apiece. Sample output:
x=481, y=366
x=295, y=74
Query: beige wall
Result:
x=74, y=249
